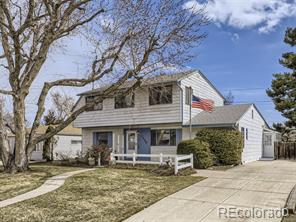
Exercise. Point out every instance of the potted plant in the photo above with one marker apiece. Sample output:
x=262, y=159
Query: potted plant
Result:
x=91, y=157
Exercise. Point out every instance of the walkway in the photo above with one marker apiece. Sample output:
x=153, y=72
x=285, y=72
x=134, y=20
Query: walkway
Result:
x=49, y=185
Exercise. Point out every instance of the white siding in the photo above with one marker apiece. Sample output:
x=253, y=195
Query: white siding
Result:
x=142, y=113
x=186, y=133
x=202, y=89
x=65, y=147
x=253, y=145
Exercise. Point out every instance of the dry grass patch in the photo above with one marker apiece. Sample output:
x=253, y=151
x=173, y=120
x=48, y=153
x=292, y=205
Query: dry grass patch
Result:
x=14, y=184
x=101, y=195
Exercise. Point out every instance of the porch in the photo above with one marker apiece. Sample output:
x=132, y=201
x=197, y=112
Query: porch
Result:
x=139, y=140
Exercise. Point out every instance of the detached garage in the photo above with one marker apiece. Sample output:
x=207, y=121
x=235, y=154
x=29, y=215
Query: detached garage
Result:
x=247, y=119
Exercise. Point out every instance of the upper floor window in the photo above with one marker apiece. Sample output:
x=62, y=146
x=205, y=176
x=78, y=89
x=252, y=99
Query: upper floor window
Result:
x=91, y=99
x=160, y=95
x=124, y=101
x=252, y=114
x=187, y=95
x=163, y=137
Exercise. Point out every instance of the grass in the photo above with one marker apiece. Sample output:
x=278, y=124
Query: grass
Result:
x=105, y=194
x=14, y=184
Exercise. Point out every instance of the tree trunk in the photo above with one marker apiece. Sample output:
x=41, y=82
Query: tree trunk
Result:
x=47, y=153
x=6, y=152
x=21, y=159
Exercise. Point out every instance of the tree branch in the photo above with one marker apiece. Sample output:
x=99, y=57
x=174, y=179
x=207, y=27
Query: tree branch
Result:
x=7, y=92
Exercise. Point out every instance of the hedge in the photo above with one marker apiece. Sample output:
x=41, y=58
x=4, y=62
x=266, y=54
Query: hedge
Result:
x=202, y=157
x=225, y=144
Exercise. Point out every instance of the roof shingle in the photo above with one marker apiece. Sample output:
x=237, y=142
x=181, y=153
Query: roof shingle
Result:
x=222, y=115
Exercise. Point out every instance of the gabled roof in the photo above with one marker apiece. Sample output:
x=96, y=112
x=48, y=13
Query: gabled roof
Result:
x=67, y=131
x=164, y=78
x=221, y=116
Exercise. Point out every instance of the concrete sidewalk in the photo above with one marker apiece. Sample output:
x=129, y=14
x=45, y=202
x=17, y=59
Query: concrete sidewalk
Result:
x=49, y=185
x=262, y=184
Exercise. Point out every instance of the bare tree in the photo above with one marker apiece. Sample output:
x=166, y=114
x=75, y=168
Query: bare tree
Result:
x=229, y=98
x=131, y=39
x=62, y=106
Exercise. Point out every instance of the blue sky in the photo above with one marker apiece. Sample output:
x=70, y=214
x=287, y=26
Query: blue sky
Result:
x=242, y=58
x=241, y=52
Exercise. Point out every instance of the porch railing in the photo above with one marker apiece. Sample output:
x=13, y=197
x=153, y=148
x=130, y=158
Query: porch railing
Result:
x=159, y=159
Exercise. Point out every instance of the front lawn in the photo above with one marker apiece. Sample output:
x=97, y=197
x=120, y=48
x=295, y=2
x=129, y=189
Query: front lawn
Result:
x=14, y=184
x=105, y=194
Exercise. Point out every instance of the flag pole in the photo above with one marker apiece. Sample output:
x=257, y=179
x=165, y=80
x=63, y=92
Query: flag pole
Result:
x=190, y=123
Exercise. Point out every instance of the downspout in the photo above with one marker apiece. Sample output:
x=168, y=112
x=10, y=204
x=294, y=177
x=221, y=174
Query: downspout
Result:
x=181, y=95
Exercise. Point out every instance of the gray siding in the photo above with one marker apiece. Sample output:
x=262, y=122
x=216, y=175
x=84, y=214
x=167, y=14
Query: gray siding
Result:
x=201, y=88
x=142, y=113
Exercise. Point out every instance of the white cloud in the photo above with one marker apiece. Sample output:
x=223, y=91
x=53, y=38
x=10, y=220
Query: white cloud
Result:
x=234, y=37
x=263, y=14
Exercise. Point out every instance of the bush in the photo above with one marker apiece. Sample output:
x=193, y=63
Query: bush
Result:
x=202, y=156
x=225, y=144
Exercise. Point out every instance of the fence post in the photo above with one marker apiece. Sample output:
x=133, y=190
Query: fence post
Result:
x=134, y=159
x=160, y=159
x=112, y=159
x=191, y=160
x=176, y=165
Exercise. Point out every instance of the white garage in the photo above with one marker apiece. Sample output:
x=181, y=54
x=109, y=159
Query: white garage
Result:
x=248, y=120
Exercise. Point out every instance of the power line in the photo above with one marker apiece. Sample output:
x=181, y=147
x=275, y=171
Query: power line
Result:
x=243, y=89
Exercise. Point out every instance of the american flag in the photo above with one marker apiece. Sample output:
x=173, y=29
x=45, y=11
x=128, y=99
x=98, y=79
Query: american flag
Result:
x=204, y=104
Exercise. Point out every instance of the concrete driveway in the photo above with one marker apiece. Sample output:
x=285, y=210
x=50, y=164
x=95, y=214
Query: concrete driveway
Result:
x=262, y=184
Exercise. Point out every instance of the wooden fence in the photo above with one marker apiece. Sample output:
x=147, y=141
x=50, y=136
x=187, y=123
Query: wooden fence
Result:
x=285, y=150
x=159, y=159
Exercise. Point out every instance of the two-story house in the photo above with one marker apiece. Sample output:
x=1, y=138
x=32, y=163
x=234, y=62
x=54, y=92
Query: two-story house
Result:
x=155, y=118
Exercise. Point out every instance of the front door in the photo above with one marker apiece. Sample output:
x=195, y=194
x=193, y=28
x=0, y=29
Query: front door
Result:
x=268, y=148
x=131, y=142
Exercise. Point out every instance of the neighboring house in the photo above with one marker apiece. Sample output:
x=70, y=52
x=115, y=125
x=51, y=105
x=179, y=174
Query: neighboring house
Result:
x=155, y=118
x=68, y=143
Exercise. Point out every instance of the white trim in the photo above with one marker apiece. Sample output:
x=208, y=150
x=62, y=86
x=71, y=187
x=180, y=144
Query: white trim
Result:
x=136, y=141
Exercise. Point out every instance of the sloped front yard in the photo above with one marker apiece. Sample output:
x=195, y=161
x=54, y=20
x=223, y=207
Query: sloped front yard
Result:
x=100, y=195
x=12, y=185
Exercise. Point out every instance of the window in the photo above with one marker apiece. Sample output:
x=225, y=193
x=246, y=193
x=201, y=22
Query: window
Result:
x=161, y=95
x=252, y=114
x=124, y=101
x=74, y=142
x=163, y=137
x=187, y=95
x=97, y=106
x=243, y=132
x=247, y=134
x=102, y=138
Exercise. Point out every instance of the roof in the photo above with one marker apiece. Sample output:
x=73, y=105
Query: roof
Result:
x=69, y=131
x=222, y=116
x=163, y=78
